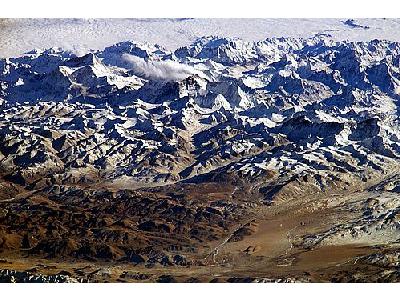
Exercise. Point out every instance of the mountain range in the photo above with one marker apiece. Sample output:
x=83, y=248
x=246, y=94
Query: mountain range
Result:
x=232, y=126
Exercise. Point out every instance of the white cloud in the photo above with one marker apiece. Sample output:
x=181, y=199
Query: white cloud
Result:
x=159, y=70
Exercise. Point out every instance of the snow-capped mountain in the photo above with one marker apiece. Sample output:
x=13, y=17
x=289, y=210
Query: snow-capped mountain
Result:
x=276, y=113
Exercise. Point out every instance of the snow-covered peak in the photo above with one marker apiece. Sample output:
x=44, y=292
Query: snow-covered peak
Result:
x=288, y=105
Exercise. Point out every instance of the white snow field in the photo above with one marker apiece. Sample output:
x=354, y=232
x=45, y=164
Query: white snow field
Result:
x=18, y=36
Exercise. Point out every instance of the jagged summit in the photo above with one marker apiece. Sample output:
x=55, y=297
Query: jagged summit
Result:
x=292, y=106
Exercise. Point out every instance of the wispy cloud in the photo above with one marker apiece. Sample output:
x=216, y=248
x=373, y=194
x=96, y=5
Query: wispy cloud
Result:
x=159, y=70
